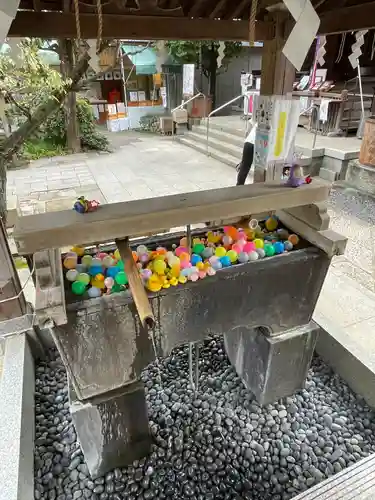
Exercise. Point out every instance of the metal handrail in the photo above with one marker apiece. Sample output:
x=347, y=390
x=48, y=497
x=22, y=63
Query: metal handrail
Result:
x=244, y=96
x=186, y=102
x=313, y=108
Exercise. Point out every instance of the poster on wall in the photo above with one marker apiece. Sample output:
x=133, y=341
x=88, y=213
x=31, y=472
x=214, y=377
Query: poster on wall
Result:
x=188, y=79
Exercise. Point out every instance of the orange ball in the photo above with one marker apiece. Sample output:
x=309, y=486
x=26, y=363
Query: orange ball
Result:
x=99, y=277
x=184, y=256
x=183, y=242
x=135, y=256
x=232, y=232
x=294, y=239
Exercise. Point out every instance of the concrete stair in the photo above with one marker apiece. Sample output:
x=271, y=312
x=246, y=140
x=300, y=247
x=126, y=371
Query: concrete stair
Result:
x=225, y=143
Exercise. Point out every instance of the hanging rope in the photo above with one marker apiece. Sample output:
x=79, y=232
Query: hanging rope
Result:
x=253, y=13
x=100, y=26
x=373, y=47
x=341, y=49
x=78, y=24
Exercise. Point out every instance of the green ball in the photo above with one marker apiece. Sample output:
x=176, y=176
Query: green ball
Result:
x=78, y=288
x=121, y=278
x=269, y=250
x=120, y=265
x=117, y=288
x=198, y=248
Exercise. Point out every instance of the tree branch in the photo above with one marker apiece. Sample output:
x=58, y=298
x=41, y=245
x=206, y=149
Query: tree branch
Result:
x=8, y=96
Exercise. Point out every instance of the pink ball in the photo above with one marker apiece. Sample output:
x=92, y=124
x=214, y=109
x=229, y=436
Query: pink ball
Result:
x=213, y=259
x=146, y=274
x=194, y=277
x=101, y=255
x=227, y=240
x=144, y=258
x=109, y=282
x=202, y=274
x=237, y=247
x=211, y=271
x=242, y=235
x=249, y=247
x=180, y=250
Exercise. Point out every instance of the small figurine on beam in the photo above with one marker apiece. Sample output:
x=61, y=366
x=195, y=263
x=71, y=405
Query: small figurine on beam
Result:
x=83, y=206
x=295, y=178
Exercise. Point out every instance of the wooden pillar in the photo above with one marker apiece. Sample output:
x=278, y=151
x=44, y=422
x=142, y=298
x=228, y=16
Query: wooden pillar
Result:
x=70, y=106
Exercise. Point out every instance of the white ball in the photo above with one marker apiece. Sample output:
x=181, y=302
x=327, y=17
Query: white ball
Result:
x=243, y=257
x=253, y=256
x=261, y=253
x=72, y=274
x=141, y=249
x=94, y=292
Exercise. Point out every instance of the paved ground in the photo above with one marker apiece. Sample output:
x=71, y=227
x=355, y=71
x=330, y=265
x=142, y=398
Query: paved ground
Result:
x=141, y=166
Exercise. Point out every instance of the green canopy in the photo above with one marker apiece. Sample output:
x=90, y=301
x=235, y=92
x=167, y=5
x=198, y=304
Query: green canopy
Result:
x=47, y=56
x=144, y=59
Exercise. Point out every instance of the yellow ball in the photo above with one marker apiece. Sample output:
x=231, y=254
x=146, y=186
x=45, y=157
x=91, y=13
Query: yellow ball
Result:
x=259, y=243
x=159, y=266
x=97, y=283
x=78, y=250
x=220, y=252
x=166, y=285
x=173, y=281
x=154, y=284
x=271, y=223
x=199, y=266
x=233, y=256
x=182, y=279
x=117, y=254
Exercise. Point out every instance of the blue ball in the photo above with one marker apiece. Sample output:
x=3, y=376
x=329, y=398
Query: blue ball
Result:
x=225, y=261
x=195, y=259
x=112, y=271
x=94, y=270
x=279, y=247
x=217, y=265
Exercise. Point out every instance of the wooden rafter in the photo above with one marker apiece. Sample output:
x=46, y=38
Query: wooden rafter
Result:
x=237, y=11
x=59, y=25
x=196, y=8
x=218, y=9
x=357, y=17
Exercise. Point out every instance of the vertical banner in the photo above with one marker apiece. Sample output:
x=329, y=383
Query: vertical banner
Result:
x=188, y=79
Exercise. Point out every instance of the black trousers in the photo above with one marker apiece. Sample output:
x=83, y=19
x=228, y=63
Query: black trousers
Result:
x=246, y=162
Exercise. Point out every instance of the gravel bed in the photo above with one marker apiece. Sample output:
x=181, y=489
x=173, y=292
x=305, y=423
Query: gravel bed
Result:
x=218, y=444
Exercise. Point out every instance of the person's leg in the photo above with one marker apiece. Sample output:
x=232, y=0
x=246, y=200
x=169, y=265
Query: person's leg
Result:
x=246, y=162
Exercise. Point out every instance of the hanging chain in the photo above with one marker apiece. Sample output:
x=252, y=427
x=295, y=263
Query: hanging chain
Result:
x=253, y=13
x=100, y=25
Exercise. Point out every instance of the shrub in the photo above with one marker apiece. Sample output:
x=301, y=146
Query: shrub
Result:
x=39, y=148
x=54, y=130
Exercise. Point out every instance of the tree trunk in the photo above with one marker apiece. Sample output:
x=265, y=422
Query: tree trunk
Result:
x=212, y=73
x=14, y=142
x=73, y=142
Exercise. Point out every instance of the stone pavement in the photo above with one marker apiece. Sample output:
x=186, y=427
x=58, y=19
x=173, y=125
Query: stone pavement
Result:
x=141, y=166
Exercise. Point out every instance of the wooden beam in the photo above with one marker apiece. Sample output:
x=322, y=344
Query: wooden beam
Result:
x=136, y=218
x=358, y=17
x=60, y=25
x=218, y=8
x=196, y=8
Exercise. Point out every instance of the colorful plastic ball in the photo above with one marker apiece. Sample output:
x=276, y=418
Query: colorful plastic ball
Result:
x=293, y=238
x=194, y=277
x=112, y=271
x=225, y=261
x=173, y=281
x=198, y=248
x=207, y=253
x=83, y=278
x=173, y=261
x=250, y=233
x=211, y=271
x=271, y=223
x=217, y=265
x=97, y=283
x=288, y=245
x=184, y=264
x=72, y=274
x=212, y=259
x=144, y=258
x=231, y=231
x=183, y=242
x=180, y=250
x=227, y=240
x=159, y=267
x=161, y=250
x=70, y=262
x=78, y=288
x=195, y=259
x=107, y=261
x=259, y=243
x=141, y=249
x=249, y=247
x=146, y=274
x=182, y=279
x=117, y=254
x=154, y=284
x=81, y=268
x=269, y=250
x=233, y=256
x=237, y=247
x=279, y=247
x=200, y=266
x=96, y=262
x=185, y=272
x=220, y=252
x=109, y=282
x=86, y=260
x=121, y=278
x=94, y=292
x=243, y=257
x=202, y=274
x=117, y=288
x=261, y=253
x=253, y=256
x=78, y=250
x=94, y=270
x=120, y=265
x=283, y=234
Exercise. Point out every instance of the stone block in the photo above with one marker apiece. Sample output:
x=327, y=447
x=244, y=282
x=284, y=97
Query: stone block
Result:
x=328, y=175
x=361, y=177
x=272, y=367
x=113, y=430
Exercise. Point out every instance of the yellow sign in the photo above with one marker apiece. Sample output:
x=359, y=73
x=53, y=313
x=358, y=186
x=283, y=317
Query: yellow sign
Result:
x=280, y=134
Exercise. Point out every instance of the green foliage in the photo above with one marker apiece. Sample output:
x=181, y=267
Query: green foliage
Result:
x=39, y=148
x=187, y=52
x=149, y=123
x=54, y=130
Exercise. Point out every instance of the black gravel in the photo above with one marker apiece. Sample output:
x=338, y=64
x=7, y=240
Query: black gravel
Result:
x=218, y=444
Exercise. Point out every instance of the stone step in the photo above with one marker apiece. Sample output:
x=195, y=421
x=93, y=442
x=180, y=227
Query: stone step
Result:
x=356, y=482
x=225, y=158
x=228, y=137
x=217, y=144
